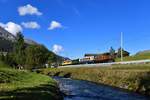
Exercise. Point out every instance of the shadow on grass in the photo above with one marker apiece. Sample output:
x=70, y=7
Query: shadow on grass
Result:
x=144, y=84
x=58, y=73
x=43, y=92
x=63, y=74
x=68, y=75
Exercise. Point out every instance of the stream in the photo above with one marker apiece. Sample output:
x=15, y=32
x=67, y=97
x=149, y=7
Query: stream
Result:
x=85, y=90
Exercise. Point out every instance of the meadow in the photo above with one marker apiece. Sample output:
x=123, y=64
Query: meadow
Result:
x=139, y=56
x=25, y=85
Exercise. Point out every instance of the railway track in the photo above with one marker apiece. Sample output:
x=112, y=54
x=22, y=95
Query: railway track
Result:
x=109, y=64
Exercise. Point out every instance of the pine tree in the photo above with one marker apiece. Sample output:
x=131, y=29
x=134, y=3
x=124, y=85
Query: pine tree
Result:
x=125, y=53
x=36, y=56
x=112, y=52
x=19, y=50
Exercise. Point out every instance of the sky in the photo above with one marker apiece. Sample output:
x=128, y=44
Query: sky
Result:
x=72, y=28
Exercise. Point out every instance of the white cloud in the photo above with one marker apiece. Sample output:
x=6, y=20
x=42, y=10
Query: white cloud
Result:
x=57, y=48
x=31, y=25
x=12, y=27
x=54, y=25
x=28, y=9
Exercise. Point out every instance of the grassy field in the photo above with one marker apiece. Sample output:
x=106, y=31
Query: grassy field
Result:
x=24, y=85
x=131, y=77
x=140, y=56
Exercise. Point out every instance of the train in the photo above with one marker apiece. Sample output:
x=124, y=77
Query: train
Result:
x=91, y=59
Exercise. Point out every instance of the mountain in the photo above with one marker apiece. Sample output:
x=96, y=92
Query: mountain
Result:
x=29, y=41
x=6, y=35
x=6, y=45
x=7, y=40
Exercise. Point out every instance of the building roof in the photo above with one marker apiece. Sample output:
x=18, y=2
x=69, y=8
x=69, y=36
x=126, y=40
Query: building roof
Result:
x=106, y=53
x=91, y=54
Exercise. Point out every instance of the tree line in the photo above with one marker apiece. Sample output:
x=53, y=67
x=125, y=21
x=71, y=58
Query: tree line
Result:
x=28, y=56
x=117, y=54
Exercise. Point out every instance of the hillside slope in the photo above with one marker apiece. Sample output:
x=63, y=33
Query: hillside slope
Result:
x=143, y=55
x=23, y=85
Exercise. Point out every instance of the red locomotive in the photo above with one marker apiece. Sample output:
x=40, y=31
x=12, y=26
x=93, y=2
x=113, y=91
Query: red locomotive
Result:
x=103, y=58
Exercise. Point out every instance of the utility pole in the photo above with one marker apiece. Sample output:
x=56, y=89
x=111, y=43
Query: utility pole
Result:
x=121, y=46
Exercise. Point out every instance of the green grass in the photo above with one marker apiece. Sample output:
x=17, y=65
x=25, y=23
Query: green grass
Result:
x=131, y=77
x=24, y=85
x=3, y=65
x=141, y=56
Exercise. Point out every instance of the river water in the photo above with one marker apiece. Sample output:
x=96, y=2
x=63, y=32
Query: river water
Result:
x=84, y=90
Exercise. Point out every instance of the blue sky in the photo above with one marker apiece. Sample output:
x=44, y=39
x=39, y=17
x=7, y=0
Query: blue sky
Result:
x=75, y=27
